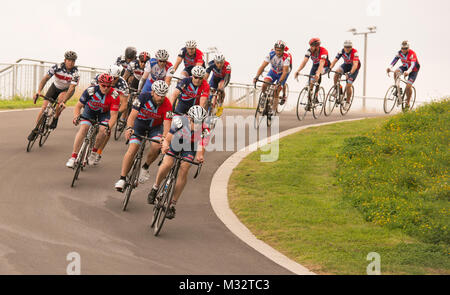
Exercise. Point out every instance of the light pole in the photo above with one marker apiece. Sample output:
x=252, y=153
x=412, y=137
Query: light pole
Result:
x=372, y=30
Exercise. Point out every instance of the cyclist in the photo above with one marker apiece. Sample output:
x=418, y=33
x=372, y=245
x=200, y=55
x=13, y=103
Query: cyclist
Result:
x=153, y=114
x=158, y=68
x=350, y=67
x=63, y=87
x=191, y=56
x=410, y=68
x=135, y=70
x=321, y=63
x=187, y=138
x=101, y=103
x=279, y=72
x=220, y=78
x=191, y=91
x=124, y=60
x=120, y=85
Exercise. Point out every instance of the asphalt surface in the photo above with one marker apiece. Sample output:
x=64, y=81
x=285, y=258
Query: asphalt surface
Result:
x=42, y=218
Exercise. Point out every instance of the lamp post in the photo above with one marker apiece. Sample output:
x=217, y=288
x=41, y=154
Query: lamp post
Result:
x=371, y=30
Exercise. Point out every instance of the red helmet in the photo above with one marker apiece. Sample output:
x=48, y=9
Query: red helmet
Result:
x=314, y=42
x=144, y=56
x=105, y=79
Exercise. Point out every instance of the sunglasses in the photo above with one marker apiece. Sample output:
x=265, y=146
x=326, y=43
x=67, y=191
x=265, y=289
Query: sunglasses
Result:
x=405, y=48
x=162, y=61
x=197, y=78
x=347, y=47
x=105, y=85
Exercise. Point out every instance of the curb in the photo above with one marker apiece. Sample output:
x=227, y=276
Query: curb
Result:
x=218, y=195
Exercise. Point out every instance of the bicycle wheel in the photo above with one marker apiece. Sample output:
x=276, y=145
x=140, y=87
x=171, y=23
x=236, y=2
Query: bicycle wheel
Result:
x=390, y=100
x=167, y=199
x=39, y=130
x=345, y=106
x=159, y=201
x=318, y=106
x=132, y=182
x=280, y=108
x=269, y=104
x=260, y=109
x=119, y=128
x=412, y=100
x=79, y=162
x=302, y=104
x=45, y=133
x=330, y=101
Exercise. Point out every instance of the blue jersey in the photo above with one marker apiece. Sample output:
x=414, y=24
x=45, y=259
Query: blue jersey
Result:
x=121, y=86
x=93, y=98
x=151, y=113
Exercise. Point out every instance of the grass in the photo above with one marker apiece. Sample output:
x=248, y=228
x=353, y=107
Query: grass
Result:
x=298, y=206
x=24, y=103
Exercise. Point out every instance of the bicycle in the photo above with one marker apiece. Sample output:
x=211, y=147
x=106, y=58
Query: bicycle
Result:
x=211, y=111
x=120, y=126
x=165, y=192
x=86, y=147
x=336, y=97
x=43, y=125
x=264, y=104
x=280, y=107
x=396, y=95
x=306, y=103
x=132, y=179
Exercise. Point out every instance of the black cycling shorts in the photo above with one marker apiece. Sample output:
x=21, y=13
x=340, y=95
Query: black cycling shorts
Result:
x=54, y=92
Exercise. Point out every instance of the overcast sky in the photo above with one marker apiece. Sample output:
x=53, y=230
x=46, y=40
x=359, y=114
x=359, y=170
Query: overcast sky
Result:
x=244, y=30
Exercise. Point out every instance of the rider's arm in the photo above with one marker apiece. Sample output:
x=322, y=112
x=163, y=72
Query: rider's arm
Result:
x=261, y=68
x=166, y=124
x=177, y=63
x=175, y=95
x=168, y=80
x=123, y=102
x=69, y=93
x=302, y=65
x=396, y=58
x=43, y=82
x=113, y=120
x=284, y=74
x=127, y=74
x=143, y=80
x=321, y=65
x=77, y=109
x=354, y=67
x=132, y=118
x=333, y=63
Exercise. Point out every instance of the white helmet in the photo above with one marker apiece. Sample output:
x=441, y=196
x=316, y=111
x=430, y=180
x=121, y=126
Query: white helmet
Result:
x=114, y=71
x=197, y=113
x=219, y=57
x=160, y=88
x=198, y=71
x=405, y=44
x=348, y=43
x=191, y=44
x=162, y=54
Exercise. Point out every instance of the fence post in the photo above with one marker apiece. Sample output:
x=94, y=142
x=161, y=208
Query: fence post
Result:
x=35, y=78
x=14, y=81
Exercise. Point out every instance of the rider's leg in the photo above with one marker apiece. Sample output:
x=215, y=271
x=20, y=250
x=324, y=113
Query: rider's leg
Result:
x=41, y=111
x=163, y=170
x=129, y=156
x=153, y=153
x=408, y=93
x=181, y=181
x=348, y=88
x=81, y=134
x=101, y=137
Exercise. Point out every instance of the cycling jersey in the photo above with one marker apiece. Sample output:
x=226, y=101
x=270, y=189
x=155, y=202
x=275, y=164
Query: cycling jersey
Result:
x=135, y=69
x=63, y=77
x=226, y=69
x=156, y=72
x=190, y=94
x=121, y=61
x=95, y=100
x=322, y=54
x=121, y=85
x=409, y=59
x=350, y=57
x=191, y=60
x=181, y=130
x=150, y=113
x=277, y=63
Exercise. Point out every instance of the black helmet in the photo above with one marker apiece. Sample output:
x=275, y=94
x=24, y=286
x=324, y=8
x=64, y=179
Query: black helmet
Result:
x=130, y=52
x=70, y=55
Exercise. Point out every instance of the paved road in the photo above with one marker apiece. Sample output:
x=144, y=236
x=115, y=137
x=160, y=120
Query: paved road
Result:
x=42, y=218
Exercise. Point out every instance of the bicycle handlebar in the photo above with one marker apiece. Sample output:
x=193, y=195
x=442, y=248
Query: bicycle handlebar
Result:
x=199, y=165
x=265, y=82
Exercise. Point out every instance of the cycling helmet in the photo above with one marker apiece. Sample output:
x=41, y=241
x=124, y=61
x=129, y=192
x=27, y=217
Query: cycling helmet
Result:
x=197, y=113
x=162, y=54
x=314, y=42
x=191, y=44
x=70, y=55
x=218, y=57
x=144, y=56
x=105, y=79
x=114, y=71
x=198, y=71
x=405, y=44
x=160, y=88
x=130, y=52
x=348, y=43
x=280, y=44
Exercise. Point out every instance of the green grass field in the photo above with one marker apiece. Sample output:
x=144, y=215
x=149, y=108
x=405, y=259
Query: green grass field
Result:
x=25, y=103
x=332, y=196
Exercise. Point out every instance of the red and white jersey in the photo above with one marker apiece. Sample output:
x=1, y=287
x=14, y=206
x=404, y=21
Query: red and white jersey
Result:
x=321, y=54
x=63, y=77
x=407, y=59
x=350, y=57
x=156, y=72
x=135, y=68
x=277, y=63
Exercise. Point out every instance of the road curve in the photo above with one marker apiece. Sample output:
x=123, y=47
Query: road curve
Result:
x=42, y=218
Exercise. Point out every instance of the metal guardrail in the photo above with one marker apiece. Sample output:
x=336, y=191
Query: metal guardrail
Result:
x=22, y=79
